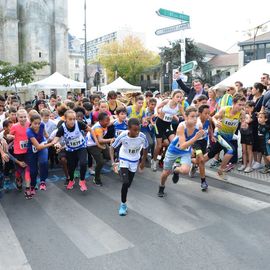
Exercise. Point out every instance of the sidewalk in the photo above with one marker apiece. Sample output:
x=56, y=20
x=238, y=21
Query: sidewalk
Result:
x=255, y=180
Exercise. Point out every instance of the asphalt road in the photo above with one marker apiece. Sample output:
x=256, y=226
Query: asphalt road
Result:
x=224, y=228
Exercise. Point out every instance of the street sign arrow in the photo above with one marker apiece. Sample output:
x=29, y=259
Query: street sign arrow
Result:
x=172, y=29
x=189, y=66
x=172, y=15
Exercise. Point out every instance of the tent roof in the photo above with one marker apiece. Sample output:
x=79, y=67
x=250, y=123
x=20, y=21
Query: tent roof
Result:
x=248, y=74
x=119, y=85
x=57, y=81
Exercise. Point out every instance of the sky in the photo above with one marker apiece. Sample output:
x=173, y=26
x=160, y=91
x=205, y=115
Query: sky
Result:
x=220, y=24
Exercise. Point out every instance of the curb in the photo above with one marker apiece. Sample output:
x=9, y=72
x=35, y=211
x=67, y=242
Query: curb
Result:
x=260, y=188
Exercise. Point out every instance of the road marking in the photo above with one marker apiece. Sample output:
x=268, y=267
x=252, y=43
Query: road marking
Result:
x=218, y=196
x=12, y=256
x=175, y=220
x=90, y=234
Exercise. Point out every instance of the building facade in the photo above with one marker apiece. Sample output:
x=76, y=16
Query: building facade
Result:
x=35, y=30
x=94, y=45
x=255, y=48
x=75, y=59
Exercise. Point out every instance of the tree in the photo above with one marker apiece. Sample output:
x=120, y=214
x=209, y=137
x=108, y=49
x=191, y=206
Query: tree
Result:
x=127, y=59
x=22, y=73
x=172, y=54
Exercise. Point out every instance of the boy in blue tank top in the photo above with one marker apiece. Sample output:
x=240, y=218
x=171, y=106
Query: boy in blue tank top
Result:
x=186, y=135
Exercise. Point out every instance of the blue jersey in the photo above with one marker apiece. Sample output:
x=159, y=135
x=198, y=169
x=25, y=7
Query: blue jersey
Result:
x=38, y=136
x=119, y=127
x=205, y=127
x=174, y=147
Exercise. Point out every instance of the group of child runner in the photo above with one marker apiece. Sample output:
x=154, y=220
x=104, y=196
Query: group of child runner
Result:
x=164, y=130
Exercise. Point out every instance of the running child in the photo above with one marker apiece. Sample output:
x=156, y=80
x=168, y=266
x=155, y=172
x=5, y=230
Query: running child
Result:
x=186, y=135
x=132, y=142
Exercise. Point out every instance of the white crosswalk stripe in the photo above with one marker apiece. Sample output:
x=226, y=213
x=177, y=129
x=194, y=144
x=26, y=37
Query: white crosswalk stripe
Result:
x=12, y=256
x=91, y=235
x=218, y=196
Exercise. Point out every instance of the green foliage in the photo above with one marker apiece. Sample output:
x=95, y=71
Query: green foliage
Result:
x=172, y=54
x=128, y=59
x=22, y=73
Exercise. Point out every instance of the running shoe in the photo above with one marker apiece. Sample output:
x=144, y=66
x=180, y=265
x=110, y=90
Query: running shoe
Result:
x=33, y=191
x=248, y=170
x=214, y=163
x=265, y=170
x=7, y=185
x=19, y=183
x=66, y=182
x=42, y=186
x=241, y=168
x=204, y=185
x=229, y=167
x=70, y=185
x=161, y=191
x=192, y=170
x=27, y=194
x=91, y=171
x=82, y=185
x=97, y=182
x=123, y=209
x=257, y=166
x=154, y=165
x=175, y=177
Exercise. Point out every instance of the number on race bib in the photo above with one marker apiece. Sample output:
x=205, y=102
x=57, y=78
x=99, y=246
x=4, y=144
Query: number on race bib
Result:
x=75, y=142
x=168, y=117
x=134, y=151
x=23, y=144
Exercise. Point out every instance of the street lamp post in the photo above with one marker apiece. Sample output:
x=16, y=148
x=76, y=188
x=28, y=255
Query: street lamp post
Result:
x=85, y=49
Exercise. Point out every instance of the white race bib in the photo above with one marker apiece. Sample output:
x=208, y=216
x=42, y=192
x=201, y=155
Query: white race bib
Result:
x=23, y=144
x=133, y=151
x=75, y=142
x=34, y=149
x=168, y=117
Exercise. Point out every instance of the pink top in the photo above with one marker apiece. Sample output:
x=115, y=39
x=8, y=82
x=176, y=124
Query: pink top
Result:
x=21, y=139
x=96, y=113
x=212, y=104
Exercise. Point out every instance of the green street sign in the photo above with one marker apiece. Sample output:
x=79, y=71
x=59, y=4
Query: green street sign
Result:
x=172, y=15
x=189, y=66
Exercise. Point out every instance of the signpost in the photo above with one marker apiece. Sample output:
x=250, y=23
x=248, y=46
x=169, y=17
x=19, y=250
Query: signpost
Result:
x=172, y=15
x=189, y=66
x=173, y=28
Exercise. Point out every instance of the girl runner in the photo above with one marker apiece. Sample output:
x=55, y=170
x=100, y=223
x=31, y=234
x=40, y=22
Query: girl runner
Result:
x=167, y=111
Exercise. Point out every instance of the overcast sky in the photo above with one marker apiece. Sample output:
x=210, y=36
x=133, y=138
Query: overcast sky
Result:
x=216, y=23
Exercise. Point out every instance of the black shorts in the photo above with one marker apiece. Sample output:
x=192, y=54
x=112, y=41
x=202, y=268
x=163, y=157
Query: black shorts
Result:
x=260, y=145
x=62, y=154
x=200, y=145
x=163, y=129
x=247, y=139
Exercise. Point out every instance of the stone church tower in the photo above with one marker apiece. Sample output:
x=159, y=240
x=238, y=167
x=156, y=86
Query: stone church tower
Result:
x=35, y=30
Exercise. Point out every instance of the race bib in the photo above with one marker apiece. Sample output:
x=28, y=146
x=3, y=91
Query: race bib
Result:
x=168, y=117
x=75, y=142
x=34, y=149
x=133, y=151
x=118, y=132
x=23, y=145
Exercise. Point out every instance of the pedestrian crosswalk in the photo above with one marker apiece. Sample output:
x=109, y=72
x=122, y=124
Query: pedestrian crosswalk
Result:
x=186, y=209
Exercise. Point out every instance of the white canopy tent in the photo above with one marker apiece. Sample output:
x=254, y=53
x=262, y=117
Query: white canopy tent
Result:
x=248, y=74
x=57, y=81
x=120, y=85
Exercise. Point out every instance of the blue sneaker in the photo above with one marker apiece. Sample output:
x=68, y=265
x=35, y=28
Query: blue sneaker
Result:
x=204, y=186
x=7, y=185
x=123, y=209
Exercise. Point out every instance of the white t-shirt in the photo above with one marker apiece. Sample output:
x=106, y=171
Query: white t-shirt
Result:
x=130, y=147
x=50, y=126
x=2, y=119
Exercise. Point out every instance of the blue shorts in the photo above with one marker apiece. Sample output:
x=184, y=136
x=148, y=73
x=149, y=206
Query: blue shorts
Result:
x=170, y=158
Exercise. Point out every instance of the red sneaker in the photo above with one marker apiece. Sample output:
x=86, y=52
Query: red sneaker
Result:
x=82, y=185
x=70, y=185
x=42, y=186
